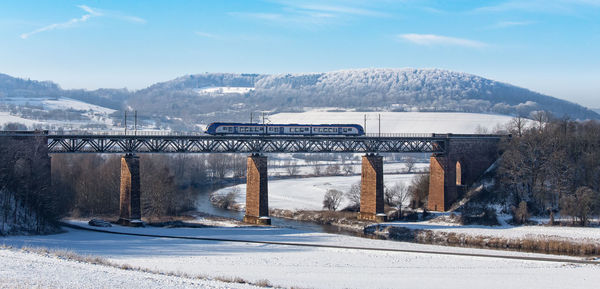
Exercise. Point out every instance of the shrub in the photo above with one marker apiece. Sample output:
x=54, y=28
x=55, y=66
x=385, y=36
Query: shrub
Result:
x=332, y=199
x=520, y=215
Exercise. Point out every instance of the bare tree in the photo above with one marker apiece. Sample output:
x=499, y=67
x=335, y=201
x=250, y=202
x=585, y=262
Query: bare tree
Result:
x=217, y=163
x=238, y=165
x=353, y=195
x=410, y=162
x=419, y=190
x=348, y=169
x=396, y=195
x=333, y=169
x=291, y=167
x=516, y=126
x=316, y=167
x=542, y=118
x=521, y=213
x=579, y=205
x=481, y=129
x=332, y=199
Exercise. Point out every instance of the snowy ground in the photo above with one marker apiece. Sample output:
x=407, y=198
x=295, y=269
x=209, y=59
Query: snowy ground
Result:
x=400, y=122
x=305, y=169
x=30, y=270
x=6, y=117
x=289, y=265
x=507, y=231
x=308, y=193
x=95, y=114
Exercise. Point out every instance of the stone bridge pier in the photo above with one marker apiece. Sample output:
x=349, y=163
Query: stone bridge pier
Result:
x=371, y=189
x=257, y=191
x=453, y=172
x=130, y=209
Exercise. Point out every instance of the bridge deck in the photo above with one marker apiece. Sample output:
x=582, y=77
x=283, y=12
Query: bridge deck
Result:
x=93, y=143
x=160, y=142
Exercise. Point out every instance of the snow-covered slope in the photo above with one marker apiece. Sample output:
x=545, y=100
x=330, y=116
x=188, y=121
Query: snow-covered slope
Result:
x=401, y=122
x=54, y=113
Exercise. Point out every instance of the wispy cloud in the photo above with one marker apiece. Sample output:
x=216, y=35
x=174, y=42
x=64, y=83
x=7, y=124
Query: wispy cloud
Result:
x=91, y=13
x=313, y=13
x=540, y=6
x=433, y=40
x=204, y=34
x=334, y=9
x=508, y=24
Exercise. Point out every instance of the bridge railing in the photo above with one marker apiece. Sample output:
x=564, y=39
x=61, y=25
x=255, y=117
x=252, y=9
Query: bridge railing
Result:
x=402, y=135
x=128, y=133
x=189, y=133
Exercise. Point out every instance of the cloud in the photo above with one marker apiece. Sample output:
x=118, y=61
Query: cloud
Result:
x=540, y=6
x=432, y=39
x=508, y=24
x=297, y=19
x=338, y=9
x=313, y=13
x=204, y=34
x=91, y=13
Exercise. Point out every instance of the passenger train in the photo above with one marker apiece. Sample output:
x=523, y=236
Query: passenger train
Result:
x=228, y=128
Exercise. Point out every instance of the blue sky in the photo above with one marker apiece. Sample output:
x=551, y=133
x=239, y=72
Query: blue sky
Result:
x=550, y=46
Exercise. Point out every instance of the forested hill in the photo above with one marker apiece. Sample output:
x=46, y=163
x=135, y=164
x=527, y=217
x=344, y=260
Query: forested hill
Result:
x=188, y=100
x=363, y=89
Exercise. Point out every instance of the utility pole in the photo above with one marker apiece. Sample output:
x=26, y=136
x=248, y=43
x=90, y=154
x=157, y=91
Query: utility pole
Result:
x=135, y=123
x=365, y=123
x=250, y=117
x=379, y=116
x=125, y=121
x=264, y=124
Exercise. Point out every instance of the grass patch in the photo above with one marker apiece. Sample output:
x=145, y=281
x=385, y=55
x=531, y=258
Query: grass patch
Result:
x=546, y=245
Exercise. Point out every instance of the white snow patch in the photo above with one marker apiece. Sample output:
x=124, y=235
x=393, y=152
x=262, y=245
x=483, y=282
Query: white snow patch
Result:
x=225, y=90
x=308, y=193
x=400, y=122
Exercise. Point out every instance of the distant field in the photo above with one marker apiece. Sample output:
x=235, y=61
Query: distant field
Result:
x=401, y=122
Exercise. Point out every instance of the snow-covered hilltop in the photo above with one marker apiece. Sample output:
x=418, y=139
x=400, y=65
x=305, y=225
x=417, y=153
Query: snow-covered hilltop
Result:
x=405, y=89
x=186, y=101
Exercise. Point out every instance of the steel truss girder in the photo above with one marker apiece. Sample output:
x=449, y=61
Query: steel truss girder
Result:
x=242, y=144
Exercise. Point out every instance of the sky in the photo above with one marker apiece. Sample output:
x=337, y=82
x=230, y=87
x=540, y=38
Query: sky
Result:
x=550, y=46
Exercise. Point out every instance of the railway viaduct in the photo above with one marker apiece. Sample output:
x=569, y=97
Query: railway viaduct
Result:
x=456, y=162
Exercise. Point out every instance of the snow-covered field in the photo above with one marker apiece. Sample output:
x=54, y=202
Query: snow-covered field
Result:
x=6, y=117
x=508, y=231
x=94, y=114
x=279, y=168
x=283, y=265
x=57, y=103
x=400, y=122
x=30, y=270
x=308, y=193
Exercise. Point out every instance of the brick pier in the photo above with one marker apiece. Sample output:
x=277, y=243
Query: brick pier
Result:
x=257, y=191
x=452, y=173
x=371, y=189
x=130, y=212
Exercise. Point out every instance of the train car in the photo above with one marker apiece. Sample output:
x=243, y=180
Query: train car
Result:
x=227, y=128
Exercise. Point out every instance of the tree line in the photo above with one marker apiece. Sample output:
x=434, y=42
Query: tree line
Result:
x=551, y=166
x=89, y=184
